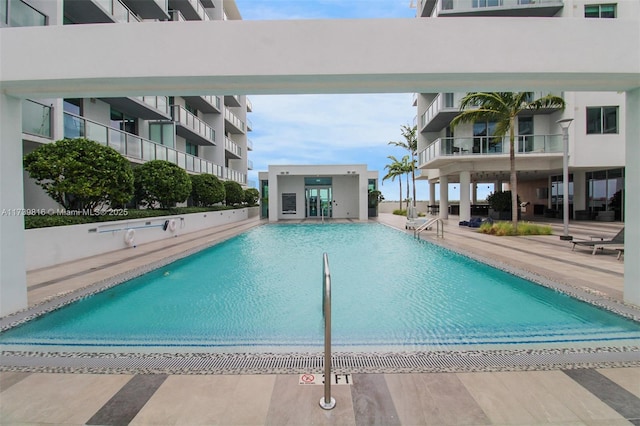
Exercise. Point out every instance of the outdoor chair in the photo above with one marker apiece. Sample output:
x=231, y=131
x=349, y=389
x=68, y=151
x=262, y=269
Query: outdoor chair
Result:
x=615, y=243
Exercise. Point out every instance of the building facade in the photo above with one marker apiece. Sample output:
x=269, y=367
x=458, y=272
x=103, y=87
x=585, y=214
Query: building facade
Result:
x=318, y=192
x=470, y=157
x=201, y=134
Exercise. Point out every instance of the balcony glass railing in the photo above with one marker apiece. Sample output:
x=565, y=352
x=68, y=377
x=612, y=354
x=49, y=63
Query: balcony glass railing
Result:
x=233, y=119
x=249, y=125
x=36, y=119
x=16, y=13
x=249, y=105
x=199, y=9
x=249, y=164
x=232, y=147
x=118, y=10
x=249, y=145
x=236, y=176
x=440, y=102
x=483, y=145
x=182, y=116
x=161, y=103
x=134, y=146
x=464, y=5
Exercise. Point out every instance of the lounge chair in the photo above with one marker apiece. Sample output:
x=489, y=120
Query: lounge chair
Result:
x=615, y=243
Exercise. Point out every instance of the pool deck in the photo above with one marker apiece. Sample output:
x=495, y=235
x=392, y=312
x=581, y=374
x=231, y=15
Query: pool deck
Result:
x=584, y=396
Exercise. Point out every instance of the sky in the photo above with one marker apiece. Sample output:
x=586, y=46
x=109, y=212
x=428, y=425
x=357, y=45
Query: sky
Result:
x=330, y=129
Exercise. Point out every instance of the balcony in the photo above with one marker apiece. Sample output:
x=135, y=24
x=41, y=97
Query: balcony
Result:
x=474, y=148
x=134, y=147
x=191, y=127
x=36, y=119
x=249, y=105
x=98, y=11
x=249, y=165
x=236, y=176
x=249, y=125
x=232, y=148
x=235, y=124
x=232, y=101
x=440, y=112
x=192, y=10
x=205, y=103
x=145, y=107
x=425, y=8
x=445, y=106
x=19, y=14
x=532, y=8
x=249, y=145
x=149, y=9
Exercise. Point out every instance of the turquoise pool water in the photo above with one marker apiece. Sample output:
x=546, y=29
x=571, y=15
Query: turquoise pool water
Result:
x=262, y=291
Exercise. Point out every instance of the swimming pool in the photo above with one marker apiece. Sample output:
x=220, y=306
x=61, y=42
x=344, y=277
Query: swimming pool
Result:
x=261, y=292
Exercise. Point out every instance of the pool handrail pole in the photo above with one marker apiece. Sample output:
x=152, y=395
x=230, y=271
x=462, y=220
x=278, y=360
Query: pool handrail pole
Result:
x=327, y=402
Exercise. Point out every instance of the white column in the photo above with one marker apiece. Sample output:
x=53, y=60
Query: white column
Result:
x=632, y=199
x=474, y=192
x=274, y=196
x=579, y=191
x=363, y=205
x=444, y=197
x=13, y=278
x=432, y=193
x=465, y=204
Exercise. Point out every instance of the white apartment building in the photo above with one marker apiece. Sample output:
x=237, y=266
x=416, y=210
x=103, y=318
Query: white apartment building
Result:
x=201, y=134
x=470, y=157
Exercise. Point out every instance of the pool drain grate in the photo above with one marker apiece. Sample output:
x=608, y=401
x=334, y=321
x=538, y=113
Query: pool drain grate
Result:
x=295, y=363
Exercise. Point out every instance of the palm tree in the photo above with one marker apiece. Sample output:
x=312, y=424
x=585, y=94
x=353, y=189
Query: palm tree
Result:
x=502, y=108
x=396, y=169
x=410, y=143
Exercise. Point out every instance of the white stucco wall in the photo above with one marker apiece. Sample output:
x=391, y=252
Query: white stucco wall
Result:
x=51, y=246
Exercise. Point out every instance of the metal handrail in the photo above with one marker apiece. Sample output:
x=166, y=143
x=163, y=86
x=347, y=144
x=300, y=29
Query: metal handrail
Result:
x=327, y=402
x=429, y=223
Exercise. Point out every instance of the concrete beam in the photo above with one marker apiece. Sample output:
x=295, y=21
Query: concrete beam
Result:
x=317, y=56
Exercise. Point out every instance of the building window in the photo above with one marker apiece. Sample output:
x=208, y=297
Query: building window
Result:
x=482, y=140
x=525, y=134
x=192, y=149
x=601, y=120
x=122, y=121
x=600, y=11
x=74, y=106
x=163, y=133
x=486, y=3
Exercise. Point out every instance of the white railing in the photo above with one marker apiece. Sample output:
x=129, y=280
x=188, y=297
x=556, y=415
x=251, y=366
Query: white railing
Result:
x=232, y=147
x=233, y=119
x=189, y=120
x=161, y=103
x=118, y=10
x=135, y=147
x=36, y=119
x=441, y=102
x=483, y=145
x=466, y=5
x=327, y=402
x=235, y=175
x=428, y=225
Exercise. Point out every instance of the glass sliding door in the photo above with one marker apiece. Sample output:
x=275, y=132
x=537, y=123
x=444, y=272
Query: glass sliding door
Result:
x=319, y=201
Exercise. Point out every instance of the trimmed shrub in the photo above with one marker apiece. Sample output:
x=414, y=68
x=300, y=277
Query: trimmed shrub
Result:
x=506, y=228
x=251, y=196
x=400, y=212
x=81, y=174
x=206, y=190
x=161, y=183
x=234, y=194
